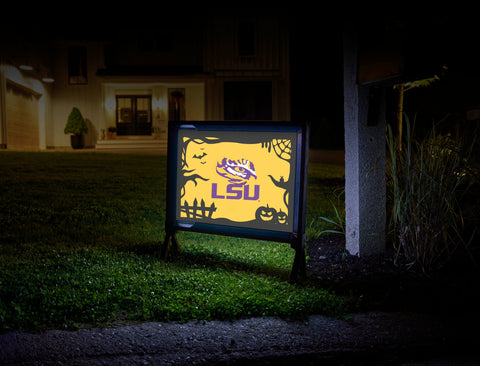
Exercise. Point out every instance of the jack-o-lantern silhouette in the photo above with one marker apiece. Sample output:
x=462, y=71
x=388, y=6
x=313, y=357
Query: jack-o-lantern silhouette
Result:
x=282, y=217
x=266, y=214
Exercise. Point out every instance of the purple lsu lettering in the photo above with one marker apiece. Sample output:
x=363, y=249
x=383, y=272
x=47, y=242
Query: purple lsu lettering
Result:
x=234, y=191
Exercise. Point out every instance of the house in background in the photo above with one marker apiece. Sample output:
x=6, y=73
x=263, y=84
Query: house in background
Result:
x=225, y=66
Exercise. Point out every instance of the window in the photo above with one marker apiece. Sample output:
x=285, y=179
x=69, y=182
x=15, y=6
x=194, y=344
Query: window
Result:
x=145, y=43
x=164, y=42
x=176, y=104
x=246, y=39
x=247, y=101
x=134, y=115
x=124, y=109
x=77, y=65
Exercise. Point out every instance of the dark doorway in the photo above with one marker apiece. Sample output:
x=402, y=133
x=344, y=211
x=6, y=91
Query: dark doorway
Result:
x=134, y=115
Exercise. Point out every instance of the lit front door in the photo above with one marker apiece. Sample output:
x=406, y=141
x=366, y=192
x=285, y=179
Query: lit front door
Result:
x=134, y=115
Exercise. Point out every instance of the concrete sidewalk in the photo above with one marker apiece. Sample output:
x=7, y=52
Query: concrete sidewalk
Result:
x=373, y=338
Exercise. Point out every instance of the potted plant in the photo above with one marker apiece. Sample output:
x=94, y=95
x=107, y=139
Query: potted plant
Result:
x=112, y=132
x=77, y=127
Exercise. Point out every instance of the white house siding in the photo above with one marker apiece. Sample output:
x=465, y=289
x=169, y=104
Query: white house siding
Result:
x=96, y=99
x=158, y=90
x=27, y=112
x=195, y=102
x=270, y=62
x=86, y=97
x=204, y=91
x=221, y=49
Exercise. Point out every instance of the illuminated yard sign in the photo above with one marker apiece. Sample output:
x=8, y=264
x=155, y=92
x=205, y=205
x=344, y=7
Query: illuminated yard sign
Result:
x=238, y=179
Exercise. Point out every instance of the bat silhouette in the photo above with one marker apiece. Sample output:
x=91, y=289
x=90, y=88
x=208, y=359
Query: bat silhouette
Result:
x=195, y=156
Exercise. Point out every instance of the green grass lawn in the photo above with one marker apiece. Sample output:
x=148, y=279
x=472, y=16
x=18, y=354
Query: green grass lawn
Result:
x=80, y=236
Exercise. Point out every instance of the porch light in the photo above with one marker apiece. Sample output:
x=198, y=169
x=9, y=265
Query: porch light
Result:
x=110, y=103
x=25, y=67
x=48, y=79
x=157, y=103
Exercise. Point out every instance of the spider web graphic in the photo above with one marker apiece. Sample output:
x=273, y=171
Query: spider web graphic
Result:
x=283, y=148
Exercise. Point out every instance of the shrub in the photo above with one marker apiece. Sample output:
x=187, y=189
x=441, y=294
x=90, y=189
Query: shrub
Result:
x=425, y=182
x=75, y=123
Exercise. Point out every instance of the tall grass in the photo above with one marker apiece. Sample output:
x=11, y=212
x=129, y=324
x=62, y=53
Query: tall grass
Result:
x=426, y=180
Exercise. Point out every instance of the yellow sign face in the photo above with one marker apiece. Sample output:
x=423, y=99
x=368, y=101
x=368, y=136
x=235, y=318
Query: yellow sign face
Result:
x=237, y=178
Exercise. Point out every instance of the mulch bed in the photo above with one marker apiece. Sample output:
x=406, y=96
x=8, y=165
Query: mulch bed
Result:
x=380, y=284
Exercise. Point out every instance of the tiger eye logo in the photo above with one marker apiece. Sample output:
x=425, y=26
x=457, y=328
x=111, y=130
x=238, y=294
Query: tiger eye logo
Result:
x=236, y=171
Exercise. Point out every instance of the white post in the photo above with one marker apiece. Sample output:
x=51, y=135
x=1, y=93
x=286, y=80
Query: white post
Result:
x=365, y=191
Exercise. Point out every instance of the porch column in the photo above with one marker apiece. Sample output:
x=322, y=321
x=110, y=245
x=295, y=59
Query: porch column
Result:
x=365, y=191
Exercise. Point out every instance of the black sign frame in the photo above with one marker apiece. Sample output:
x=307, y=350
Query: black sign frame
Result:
x=295, y=236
